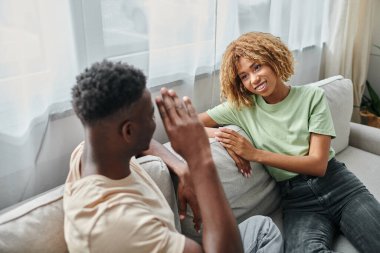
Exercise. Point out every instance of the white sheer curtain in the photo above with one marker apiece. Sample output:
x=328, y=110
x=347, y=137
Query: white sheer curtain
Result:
x=348, y=48
x=300, y=23
x=181, y=39
x=37, y=66
x=37, y=60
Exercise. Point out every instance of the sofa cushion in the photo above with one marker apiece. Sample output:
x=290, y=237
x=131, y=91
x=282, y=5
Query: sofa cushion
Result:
x=365, y=166
x=339, y=95
x=160, y=174
x=257, y=194
x=36, y=225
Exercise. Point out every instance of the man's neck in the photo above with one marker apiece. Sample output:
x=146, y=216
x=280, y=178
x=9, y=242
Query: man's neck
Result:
x=104, y=160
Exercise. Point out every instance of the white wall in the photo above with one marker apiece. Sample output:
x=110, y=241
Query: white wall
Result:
x=374, y=62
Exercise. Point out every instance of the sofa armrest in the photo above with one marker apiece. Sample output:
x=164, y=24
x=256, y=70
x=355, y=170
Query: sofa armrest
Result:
x=365, y=137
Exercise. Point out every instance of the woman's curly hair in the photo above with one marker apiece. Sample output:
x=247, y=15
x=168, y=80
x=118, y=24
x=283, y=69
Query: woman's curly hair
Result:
x=106, y=88
x=262, y=48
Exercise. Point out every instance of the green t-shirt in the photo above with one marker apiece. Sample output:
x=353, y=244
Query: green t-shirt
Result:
x=282, y=128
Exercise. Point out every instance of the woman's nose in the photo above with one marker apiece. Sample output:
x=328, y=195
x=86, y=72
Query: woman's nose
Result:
x=255, y=79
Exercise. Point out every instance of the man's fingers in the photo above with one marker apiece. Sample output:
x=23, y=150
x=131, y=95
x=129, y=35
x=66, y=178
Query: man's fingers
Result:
x=189, y=107
x=178, y=104
x=197, y=225
x=169, y=103
x=197, y=220
x=182, y=205
x=175, y=108
x=162, y=110
x=197, y=214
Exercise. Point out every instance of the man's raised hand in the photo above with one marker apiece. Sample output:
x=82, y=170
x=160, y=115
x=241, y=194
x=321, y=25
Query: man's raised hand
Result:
x=186, y=133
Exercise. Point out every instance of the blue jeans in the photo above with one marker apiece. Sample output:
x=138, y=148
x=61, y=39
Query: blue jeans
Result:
x=259, y=234
x=316, y=208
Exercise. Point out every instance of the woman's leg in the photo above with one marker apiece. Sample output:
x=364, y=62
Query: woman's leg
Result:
x=360, y=223
x=350, y=205
x=259, y=234
x=307, y=224
x=307, y=232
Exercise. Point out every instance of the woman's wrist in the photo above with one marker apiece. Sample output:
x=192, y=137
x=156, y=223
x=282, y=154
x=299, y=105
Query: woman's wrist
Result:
x=256, y=155
x=211, y=131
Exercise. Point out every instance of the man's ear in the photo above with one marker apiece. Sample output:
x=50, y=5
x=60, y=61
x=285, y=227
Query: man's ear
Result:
x=126, y=130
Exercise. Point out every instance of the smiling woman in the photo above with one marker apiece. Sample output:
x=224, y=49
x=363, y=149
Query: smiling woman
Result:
x=291, y=129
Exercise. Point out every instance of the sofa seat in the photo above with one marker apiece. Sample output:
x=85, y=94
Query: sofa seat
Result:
x=365, y=165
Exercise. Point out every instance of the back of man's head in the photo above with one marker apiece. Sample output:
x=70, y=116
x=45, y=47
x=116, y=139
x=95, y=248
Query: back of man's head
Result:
x=106, y=88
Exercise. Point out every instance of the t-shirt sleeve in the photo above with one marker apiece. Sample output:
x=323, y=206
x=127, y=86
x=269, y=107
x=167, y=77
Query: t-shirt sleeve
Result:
x=320, y=120
x=126, y=228
x=223, y=114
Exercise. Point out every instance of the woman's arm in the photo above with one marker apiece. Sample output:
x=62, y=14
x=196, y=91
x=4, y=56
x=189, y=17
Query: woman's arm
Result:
x=314, y=163
x=211, y=128
x=209, y=124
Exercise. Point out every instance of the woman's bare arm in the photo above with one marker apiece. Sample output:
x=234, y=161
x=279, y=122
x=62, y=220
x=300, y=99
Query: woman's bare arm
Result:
x=209, y=124
x=314, y=163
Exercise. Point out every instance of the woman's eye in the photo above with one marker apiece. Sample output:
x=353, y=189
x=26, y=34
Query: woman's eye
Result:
x=243, y=77
x=256, y=67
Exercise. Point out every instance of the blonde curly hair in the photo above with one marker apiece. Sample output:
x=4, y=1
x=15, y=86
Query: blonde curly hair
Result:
x=262, y=48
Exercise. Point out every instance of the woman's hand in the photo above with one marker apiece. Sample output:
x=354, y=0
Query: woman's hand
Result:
x=236, y=143
x=243, y=165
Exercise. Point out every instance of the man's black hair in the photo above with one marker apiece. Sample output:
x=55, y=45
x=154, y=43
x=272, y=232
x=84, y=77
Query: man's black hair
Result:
x=105, y=88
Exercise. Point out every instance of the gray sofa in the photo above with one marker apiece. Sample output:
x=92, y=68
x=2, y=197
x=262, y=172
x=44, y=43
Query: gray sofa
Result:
x=36, y=225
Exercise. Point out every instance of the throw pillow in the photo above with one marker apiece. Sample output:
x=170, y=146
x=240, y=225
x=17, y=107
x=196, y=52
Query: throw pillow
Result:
x=160, y=174
x=341, y=109
x=255, y=195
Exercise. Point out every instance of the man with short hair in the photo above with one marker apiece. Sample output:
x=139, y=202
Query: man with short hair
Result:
x=112, y=205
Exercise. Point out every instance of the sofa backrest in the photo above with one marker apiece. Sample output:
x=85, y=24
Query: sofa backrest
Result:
x=34, y=225
x=339, y=93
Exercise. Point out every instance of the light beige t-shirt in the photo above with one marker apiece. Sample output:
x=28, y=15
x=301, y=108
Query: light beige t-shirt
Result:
x=126, y=215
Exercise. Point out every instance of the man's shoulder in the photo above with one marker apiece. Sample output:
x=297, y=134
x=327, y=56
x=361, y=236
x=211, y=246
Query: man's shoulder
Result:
x=96, y=190
x=122, y=218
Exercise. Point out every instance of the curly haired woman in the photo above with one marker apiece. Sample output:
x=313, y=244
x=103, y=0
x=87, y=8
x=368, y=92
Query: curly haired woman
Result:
x=291, y=128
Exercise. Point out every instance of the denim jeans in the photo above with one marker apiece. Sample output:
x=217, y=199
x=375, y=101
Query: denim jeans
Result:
x=316, y=208
x=259, y=234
